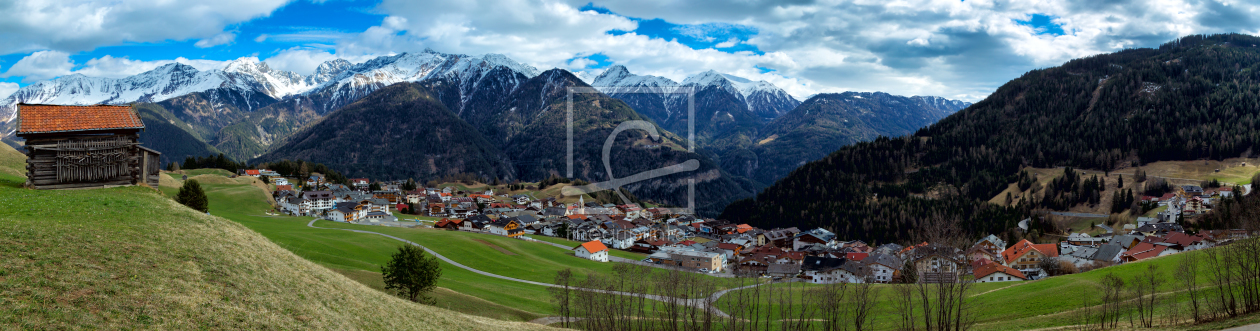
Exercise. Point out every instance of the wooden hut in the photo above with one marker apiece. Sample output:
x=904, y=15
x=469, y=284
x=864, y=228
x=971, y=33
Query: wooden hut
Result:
x=85, y=146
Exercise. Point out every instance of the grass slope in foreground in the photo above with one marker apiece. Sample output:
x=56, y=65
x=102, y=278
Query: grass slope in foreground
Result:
x=127, y=258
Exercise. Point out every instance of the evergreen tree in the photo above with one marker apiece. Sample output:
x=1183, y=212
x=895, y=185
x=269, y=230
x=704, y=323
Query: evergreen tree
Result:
x=412, y=274
x=375, y=186
x=1119, y=181
x=193, y=196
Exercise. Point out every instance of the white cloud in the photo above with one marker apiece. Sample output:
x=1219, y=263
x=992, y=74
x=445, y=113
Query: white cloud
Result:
x=218, y=39
x=260, y=38
x=7, y=89
x=30, y=25
x=302, y=61
x=40, y=66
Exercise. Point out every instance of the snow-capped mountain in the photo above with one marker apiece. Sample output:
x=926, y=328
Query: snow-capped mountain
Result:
x=356, y=81
x=338, y=81
x=760, y=97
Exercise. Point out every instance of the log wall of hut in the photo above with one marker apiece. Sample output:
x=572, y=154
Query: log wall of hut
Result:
x=78, y=160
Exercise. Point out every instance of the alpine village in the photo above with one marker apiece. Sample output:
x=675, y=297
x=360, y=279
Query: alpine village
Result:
x=436, y=191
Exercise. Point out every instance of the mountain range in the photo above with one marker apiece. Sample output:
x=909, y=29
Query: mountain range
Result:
x=751, y=132
x=1189, y=99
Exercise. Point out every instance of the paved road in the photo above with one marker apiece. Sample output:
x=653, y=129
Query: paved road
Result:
x=723, y=274
x=1059, y=213
x=1252, y=327
x=696, y=303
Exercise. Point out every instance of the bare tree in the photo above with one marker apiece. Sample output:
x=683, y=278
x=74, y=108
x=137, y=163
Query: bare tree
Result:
x=1111, y=288
x=562, y=294
x=831, y=305
x=1145, y=287
x=903, y=305
x=864, y=297
x=1187, y=275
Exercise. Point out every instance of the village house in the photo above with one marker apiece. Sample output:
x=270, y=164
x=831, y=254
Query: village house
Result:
x=817, y=236
x=936, y=263
x=360, y=183
x=1025, y=256
x=317, y=201
x=692, y=259
x=592, y=250
x=989, y=247
x=506, y=227
x=995, y=272
x=1084, y=239
x=884, y=268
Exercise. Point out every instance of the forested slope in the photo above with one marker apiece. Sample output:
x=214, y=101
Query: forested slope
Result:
x=1196, y=97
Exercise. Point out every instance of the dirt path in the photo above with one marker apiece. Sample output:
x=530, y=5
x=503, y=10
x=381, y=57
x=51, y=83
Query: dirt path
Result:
x=497, y=248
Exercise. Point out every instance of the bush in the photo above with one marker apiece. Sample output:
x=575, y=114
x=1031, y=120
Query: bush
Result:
x=193, y=196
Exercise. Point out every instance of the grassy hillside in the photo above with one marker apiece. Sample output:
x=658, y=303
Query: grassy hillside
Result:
x=128, y=258
x=1054, y=302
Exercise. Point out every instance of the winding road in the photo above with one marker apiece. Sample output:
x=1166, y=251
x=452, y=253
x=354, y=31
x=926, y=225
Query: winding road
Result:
x=694, y=303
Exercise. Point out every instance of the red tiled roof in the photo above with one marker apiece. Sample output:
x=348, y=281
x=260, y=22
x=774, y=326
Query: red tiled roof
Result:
x=728, y=246
x=1144, y=251
x=1023, y=246
x=284, y=187
x=856, y=256
x=251, y=172
x=989, y=269
x=55, y=118
x=593, y=246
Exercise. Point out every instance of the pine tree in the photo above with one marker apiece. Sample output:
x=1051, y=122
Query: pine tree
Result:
x=193, y=196
x=1119, y=181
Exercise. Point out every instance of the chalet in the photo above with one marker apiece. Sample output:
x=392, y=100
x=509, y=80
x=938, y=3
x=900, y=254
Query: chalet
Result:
x=1192, y=190
x=884, y=268
x=937, y=263
x=252, y=173
x=789, y=270
x=692, y=259
x=1159, y=229
x=284, y=187
x=280, y=181
x=315, y=180
x=592, y=250
x=85, y=146
x=988, y=247
x=1226, y=192
x=813, y=237
x=1084, y=239
x=507, y=227
x=996, y=272
x=1024, y=256
x=449, y=224
x=360, y=183
x=377, y=216
x=520, y=199
x=822, y=270
x=1146, y=250
x=346, y=212
x=436, y=208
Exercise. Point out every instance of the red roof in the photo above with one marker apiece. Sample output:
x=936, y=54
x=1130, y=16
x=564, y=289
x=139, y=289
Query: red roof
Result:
x=1166, y=196
x=1143, y=251
x=593, y=246
x=990, y=268
x=856, y=256
x=55, y=118
x=284, y=187
x=729, y=246
x=251, y=172
x=1024, y=246
x=687, y=243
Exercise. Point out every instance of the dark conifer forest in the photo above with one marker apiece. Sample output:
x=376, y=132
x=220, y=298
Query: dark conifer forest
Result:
x=1197, y=97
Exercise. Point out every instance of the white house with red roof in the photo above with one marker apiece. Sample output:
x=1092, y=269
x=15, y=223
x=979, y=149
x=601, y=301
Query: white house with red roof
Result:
x=996, y=272
x=592, y=250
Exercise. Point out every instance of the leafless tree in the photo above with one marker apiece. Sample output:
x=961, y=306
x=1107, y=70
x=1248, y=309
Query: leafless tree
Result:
x=1112, y=289
x=831, y=305
x=903, y=306
x=1145, y=287
x=563, y=295
x=1187, y=275
x=862, y=302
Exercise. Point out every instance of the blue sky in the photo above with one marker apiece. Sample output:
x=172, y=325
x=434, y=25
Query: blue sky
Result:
x=956, y=49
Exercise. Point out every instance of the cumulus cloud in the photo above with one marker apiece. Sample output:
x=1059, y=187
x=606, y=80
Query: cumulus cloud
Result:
x=218, y=39
x=301, y=61
x=40, y=66
x=30, y=25
x=7, y=89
